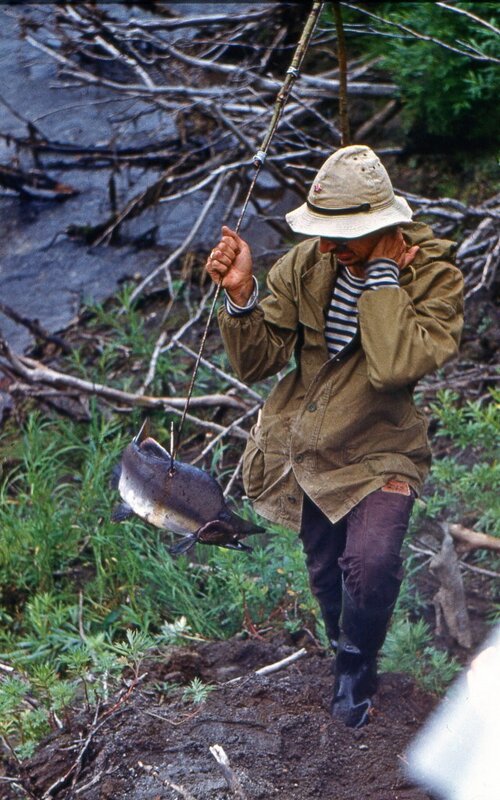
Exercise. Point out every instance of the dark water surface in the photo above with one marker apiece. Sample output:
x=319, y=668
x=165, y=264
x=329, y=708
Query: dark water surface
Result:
x=45, y=276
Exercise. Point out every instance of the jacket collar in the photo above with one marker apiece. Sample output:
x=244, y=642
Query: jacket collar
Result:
x=317, y=282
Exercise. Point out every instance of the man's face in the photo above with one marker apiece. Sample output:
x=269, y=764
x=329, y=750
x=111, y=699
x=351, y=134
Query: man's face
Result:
x=351, y=252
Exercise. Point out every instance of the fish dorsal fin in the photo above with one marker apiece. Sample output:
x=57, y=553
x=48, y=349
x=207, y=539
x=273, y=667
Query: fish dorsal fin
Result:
x=143, y=433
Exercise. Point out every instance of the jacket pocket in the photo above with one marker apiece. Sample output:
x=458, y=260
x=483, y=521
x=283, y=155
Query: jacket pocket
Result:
x=266, y=462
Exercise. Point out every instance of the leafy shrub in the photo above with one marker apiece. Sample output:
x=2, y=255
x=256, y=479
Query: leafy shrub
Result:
x=465, y=483
x=444, y=92
x=408, y=648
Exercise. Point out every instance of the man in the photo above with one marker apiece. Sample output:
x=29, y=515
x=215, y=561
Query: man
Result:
x=367, y=305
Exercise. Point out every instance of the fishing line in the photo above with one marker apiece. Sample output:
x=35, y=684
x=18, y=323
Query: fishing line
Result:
x=258, y=161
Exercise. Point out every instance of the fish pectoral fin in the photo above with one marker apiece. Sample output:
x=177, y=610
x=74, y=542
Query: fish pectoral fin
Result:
x=121, y=512
x=185, y=544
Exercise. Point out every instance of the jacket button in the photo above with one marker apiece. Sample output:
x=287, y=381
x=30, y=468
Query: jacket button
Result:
x=312, y=407
x=299, y=459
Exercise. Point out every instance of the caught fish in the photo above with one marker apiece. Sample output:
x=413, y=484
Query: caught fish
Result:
x=176, y=497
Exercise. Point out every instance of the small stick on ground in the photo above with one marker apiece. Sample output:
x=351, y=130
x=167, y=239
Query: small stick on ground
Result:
x=285, y=662
x=277, y=665
x=232, y=780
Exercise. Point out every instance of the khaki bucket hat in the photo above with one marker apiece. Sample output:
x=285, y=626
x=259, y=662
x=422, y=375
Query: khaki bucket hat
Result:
x=351, y=196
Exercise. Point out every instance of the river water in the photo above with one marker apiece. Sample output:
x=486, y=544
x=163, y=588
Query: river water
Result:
x=43, y=274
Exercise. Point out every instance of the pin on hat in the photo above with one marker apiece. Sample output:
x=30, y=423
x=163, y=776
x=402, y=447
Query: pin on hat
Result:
x=351, y=196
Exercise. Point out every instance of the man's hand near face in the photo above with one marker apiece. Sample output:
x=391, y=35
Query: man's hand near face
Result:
x=355, y=253
x=392, y=245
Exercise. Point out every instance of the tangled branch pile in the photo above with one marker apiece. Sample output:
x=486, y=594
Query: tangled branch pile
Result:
x=195, y=95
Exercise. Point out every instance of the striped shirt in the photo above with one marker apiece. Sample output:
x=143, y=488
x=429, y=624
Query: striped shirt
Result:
x=342, y=316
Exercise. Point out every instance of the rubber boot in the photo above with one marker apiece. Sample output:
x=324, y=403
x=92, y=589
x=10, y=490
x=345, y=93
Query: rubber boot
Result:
x=330, y=611
x=362, y=635
x=330, y=604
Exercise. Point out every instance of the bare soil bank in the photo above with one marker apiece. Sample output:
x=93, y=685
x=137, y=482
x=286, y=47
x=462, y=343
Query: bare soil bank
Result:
x=276, y=731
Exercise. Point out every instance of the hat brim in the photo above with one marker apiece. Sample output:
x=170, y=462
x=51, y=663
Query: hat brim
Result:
x=348, y=226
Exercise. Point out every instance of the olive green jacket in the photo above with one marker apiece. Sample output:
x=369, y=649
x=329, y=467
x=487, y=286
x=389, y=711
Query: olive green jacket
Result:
x=340, y=428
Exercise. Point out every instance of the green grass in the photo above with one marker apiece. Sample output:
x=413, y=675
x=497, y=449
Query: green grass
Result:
x=66, y=568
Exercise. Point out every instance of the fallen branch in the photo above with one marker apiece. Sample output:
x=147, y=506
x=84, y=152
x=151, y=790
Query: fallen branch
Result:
x=285, y=662
x=461, y=380
x=489, y=270
x=75, y=769
x=422, y=551
x=473, y=540
x=379, y=118
x=242, y=387
x=34, y=184
x=77, y=765
x=23, y=780
x=187, y=241
x=35, y=372
x=234, y=477
x=213, y=442
x=174, y=722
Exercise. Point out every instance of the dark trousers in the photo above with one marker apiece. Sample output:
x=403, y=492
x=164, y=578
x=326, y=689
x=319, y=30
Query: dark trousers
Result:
x=362, y=550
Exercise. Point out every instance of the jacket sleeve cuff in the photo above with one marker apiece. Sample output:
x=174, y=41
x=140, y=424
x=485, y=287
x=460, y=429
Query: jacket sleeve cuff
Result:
x=239, y=311
x=381, y=272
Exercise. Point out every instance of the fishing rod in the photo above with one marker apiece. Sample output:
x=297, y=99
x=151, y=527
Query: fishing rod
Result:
x=258, y=161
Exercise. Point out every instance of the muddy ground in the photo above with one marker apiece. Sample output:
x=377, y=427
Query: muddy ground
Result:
x=276, y=730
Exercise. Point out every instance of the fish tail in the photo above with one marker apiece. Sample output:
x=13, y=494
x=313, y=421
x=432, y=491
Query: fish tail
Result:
x=185, y=544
